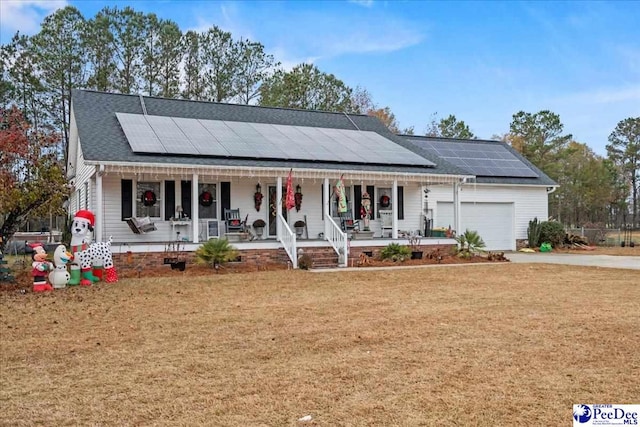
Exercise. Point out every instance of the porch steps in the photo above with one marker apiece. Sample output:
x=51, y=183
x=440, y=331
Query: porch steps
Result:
x=322, y=257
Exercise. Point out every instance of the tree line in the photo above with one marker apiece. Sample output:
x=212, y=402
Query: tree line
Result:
x=126, y=51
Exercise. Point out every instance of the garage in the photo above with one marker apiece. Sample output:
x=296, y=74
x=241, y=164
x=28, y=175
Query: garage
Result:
x=493, y=221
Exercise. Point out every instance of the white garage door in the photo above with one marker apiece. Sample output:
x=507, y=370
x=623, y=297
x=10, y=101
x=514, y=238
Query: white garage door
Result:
x=493, y=221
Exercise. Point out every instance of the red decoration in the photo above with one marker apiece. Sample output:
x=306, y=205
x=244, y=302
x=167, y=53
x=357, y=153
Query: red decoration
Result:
x=298, y=201
x=257, y=200
x=149, y=198
x=289, y=199
x=205, y=199
x=385, y=201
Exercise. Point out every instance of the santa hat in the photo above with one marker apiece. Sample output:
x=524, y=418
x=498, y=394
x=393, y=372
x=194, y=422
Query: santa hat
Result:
x=37, y=247
x=87, y=216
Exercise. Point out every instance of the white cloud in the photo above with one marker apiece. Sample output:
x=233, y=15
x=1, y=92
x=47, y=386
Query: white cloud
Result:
x=26, y=15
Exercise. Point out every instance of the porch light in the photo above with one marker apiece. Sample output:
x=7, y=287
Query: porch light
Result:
x=298, y=189
x=258, y=188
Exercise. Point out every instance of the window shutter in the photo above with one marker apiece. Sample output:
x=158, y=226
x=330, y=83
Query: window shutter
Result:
x=169, y=199
x=126, y=194
x=371, y=190
x=225, y=196
x=400, y=202
x=357, y=202
x=185, y=199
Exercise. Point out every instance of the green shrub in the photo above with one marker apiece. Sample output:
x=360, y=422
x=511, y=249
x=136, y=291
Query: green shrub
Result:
x=533, y=233
x=395, y=252
x=469, y=243
x=552, y=232
x=216, y=252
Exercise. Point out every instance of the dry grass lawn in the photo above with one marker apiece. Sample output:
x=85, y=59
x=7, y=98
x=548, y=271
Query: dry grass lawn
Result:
x=490, y=345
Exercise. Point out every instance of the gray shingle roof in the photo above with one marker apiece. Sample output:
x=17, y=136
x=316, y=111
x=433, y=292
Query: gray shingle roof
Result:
x=542, y=179
x=102, y=137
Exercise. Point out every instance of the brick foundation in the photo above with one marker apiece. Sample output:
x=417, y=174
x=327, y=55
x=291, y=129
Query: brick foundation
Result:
x=322, y=256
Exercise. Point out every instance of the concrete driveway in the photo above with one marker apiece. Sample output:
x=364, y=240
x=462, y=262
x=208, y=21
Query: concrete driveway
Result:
x=609, y=261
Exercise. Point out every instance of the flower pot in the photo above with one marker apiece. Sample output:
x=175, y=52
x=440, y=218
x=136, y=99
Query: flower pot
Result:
x=259, y=231
x=299, y=231
x=362, y=235
x=416, y=254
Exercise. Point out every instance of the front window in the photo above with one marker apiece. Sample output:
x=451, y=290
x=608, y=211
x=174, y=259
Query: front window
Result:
x=207, y=201
x=148, y=199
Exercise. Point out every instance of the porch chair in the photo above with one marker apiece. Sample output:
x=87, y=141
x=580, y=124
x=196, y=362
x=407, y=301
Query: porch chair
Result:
x=386, y=222
x=347, y=223
x=233, y=220
x=141, y=225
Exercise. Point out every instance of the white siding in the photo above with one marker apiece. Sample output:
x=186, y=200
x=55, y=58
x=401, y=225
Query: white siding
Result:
x=529, y=202
x=83, y=174
x=242, y=191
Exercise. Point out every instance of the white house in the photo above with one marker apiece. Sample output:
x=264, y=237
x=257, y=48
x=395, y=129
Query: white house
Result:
x=182, y=164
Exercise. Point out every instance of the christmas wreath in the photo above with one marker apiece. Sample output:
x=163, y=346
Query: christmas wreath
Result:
x=385, y=201
x=205, y=199
x=148, y=198
x=257, y=200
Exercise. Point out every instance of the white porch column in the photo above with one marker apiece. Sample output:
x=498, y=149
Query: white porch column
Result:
x=456, y=208
x=97, y=234
x=195, y=220
x=278, y=205
x=325, y=207
x=394, y=198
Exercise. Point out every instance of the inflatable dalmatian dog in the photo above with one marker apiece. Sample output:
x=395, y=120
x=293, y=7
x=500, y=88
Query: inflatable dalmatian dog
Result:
x=86, y=255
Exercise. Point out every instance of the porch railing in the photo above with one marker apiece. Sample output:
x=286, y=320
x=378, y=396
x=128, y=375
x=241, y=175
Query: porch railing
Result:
x=338, y=240
x=288, y=239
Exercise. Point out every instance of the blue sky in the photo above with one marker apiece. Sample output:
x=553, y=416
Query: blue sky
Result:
x=482, y=61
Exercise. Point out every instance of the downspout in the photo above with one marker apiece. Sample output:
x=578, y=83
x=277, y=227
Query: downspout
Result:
x=99, y=205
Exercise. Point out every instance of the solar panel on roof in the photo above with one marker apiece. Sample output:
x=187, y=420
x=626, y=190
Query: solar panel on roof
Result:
x=480, y=159
x=172, y=135
x=203, y=141
x=139, y=134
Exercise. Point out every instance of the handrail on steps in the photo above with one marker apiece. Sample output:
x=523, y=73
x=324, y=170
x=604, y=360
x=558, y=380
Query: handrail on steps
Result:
x=338, y=240
x=288, y=239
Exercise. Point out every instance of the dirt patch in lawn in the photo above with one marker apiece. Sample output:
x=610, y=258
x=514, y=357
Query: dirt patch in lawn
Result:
x=485, y=345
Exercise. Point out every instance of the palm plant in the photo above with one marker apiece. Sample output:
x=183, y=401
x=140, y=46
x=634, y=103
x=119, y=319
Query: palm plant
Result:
x=216, y=252
x=469, y=243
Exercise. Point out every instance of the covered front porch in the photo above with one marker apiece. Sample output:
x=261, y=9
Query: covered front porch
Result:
x=186, y=206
